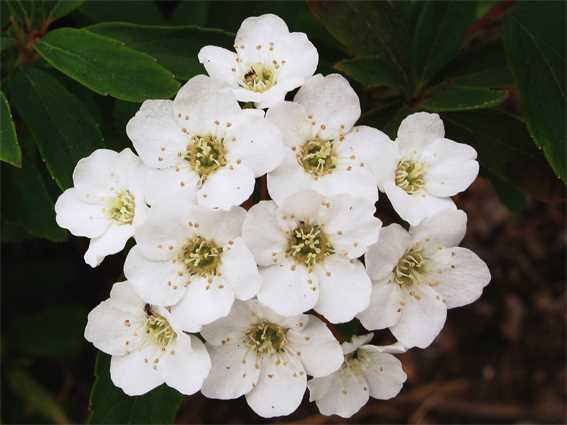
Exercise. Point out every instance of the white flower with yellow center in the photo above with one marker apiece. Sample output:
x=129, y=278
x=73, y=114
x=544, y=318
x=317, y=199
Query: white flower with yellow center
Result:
x=146, y=345
x=193, y=259
x=106, y=203
x=422, y=169
x=367, y=371
x=269, y=61
x=202, y=147
x=418, y=275
x=323, y=151
x=308, y=249
x=265, y=356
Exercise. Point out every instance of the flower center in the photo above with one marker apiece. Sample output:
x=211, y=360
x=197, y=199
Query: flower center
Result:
x=308, y=245
x=206, y=154
x=158, y=329
x=121, y=207
x=201, y=257
x=259, y=78
x=410, y=268
x=410, y=176
x=266, y=338
x=317, y=157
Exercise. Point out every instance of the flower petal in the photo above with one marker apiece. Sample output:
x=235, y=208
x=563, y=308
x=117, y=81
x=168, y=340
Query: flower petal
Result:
x=170, y=185
x=262, y=233
x=220, y=64
x=260, y=30
x=384, y=309
x=221, y=226
x=383, y=372
x=299, y=56
x=419, y=130
x=344, y=289
x=231, y=327
x=133, y=373
x=288, y=289
x=422, y=318
x=288, y=179
x=110, y=242
x=292, y=121
x=240, y=271
x=186, y=364
x=95, y=175
x=227, y=188
x=445, y=229
x=358, y=182
x=280, y=389
x=79, y=217
x=459, y=276
x=301, y=206
x=383, y=256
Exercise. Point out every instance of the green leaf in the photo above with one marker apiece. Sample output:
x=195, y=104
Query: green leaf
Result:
x=61, y=125
x=505, y=149
x=175, y=48
x=106, y=66
x=59, y=336
x=511, y=198
x=9, y=148
x=109, y=405
x=370, y=71
x=6, y=42
x=534, y=37
x=190, y=13
x=35, y=396
x=63, y=8
x=438, y=35
x=463, y=99
x=136, y=11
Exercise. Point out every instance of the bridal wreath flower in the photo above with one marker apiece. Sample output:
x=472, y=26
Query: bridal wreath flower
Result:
x=255, y=227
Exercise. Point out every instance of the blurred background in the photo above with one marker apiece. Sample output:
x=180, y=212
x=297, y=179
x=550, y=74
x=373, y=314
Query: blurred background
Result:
x=499, y=360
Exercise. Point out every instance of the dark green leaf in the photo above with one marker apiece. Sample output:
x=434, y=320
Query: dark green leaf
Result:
x=64, y=7
x=61, y=125
x=175, y=48
x=135, y=11
x=6, y=42
x=106, y=66
x=59, y=336
x=35, y=396
x=191, y=13
x=370, y=71
x=505, y=149
x=512, y=198
x=463, y=99
x=535, y=44
x=438, y=35
x=9, y=148
x=109, y=405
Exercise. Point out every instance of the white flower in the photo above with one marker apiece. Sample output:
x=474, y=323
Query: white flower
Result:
x=308, y=248
x=106, y=203
x=146, y=345
x=266, y=357
x=269, y=61
x=418, y=275
x=195, y=259
x=367, y=371
x=324, y=152
x=202, y=146
x=422, y=169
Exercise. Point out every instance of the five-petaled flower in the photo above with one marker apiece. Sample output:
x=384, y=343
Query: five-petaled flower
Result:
x=418, y=275
x=147, y=346
x=269, y=61
x=265, y=356
x=106, y=203
x=367, y=371
x=308, y=250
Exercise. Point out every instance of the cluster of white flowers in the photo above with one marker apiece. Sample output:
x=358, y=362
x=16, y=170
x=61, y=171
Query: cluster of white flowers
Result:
x=215, y=297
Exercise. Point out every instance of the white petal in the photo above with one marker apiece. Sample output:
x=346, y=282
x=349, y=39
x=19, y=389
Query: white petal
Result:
x=156, y=282
x=383, y=372
x=234, y=372
x=418, y=130
x=240, y=271
x=351, y=224
x=355, y=342
x=288, y=289
x=280, y=388
x=257, y=142
x=125, y=298
x=291, y=119
x=232, y=327
x=344, y=289
x=133, y=374
x=203, y=303
x=227, y=188
x=384, y=309
x=459, y=276
x=79, y=217
x=220, y=226
x=446, y=228
x=288, y=179
x=185, y=364
x=261, y=311
x=276, y=94
x=156, y=135
x=220, y=63
x=301, y=206
x=300, y=56
x=347, y=392
x=260, y=30
x=332, y=102
x=383, y=256
x=359, y=182
x=170, y=185
x=110, y=242
x=94, y=175
x=321, y=353
x=422, y=319
x=262, y=233
x=416, y=207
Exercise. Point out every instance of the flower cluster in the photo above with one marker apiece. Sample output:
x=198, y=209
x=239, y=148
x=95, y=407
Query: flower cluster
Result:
x=237, y=302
